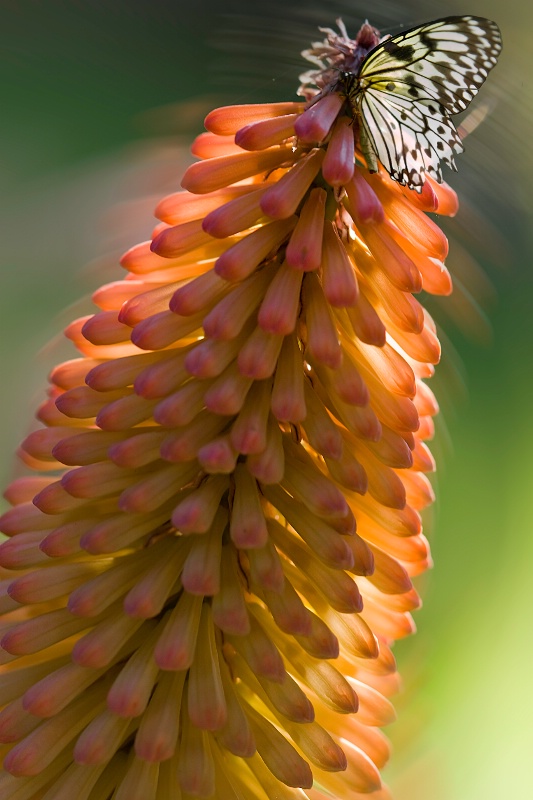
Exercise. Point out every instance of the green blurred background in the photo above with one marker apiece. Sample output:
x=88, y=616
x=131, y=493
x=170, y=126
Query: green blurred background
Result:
x=99, y=101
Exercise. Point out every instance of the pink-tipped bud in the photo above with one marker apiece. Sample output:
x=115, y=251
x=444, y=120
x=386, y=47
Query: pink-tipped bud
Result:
x=247, y=525
x=304, y=250
x=201, y=571
x=268, y=132
x=229, y=606
x=268, y=465
x=322, y=336
x=338, y=275
x=260, y=652
x=205, y=693
x=266, y=568
x=179, y=239
x=212, y=145
x=259, y=356
x=177, y=643
x=288, y=402
x=219, y=456
x=279, y=309
x=282, y=200
x=196, y=512
x=315, y=122
x=228, y=317
x=364, y=204
x=235, y=216
x=104, y=328
x=216, y=173
x=227, y=393
x=249, y=431
x=230, y=119
x=241, y=259
x=338, y=166
x=198, y=295
x=390, y=258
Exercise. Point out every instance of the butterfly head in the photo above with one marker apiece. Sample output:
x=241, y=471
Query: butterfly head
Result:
x=339, y=57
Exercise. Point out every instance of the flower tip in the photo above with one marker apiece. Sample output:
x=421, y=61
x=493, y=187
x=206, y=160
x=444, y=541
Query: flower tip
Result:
x=155, y=750
x=244, y=138
x=228, y=120
x=339, y=163
x=315, y=122
x=156, y=242
x=364, y=202
x=428, y=197
x=90, y=653
x=281, y=200
x=20, y=761
x=445, y=197
x=164, y=243
x=124, y=702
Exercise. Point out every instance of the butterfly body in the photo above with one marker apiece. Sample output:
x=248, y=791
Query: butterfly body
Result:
x=407, y=88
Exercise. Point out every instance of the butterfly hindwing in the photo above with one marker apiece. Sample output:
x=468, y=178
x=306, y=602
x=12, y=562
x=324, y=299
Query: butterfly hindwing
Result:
x=410, y=84
x=410, y=139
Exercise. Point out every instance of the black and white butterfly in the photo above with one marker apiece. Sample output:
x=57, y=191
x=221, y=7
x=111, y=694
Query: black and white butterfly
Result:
x=407, y=88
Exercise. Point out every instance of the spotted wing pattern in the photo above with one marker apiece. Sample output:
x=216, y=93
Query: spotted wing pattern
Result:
x=410, y=84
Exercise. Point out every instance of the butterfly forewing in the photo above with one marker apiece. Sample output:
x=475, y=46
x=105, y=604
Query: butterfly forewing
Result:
x=447, y=60
x=409, y=85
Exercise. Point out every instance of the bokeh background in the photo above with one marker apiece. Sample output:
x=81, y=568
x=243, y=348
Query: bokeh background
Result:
x=99, y=100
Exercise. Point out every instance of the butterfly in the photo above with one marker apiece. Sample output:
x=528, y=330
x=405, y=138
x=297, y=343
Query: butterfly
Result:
x=407, y=88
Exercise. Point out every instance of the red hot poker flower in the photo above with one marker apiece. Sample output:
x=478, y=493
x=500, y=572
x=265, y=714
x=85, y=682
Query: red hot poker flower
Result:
x=203, y=583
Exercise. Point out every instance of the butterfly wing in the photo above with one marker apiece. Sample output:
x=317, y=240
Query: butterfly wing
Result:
x=409, y=138
x=411, y=83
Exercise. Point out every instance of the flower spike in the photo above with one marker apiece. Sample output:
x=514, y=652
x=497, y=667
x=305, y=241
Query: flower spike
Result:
x=204, y=576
